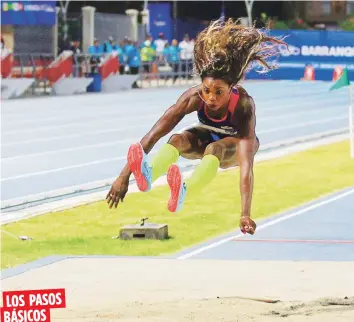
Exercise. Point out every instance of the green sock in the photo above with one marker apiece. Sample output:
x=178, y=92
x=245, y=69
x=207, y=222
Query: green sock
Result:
x=203, y=174
x=160, y=163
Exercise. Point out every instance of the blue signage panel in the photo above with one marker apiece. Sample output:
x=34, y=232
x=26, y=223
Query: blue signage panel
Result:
x=28, y=13
x=324, y=50
x=160, y=20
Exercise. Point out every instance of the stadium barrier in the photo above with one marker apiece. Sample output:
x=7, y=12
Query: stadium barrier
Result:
x=111, y=79
x=12, y=87
x=60, y=74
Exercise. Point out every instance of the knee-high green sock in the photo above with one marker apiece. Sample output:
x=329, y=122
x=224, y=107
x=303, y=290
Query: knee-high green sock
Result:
x=160, y=163
x=203, y=174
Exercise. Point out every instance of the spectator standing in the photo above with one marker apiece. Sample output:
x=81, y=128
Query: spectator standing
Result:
x=110, y=45
x=160, y=44
x=187, y=47
x=95, y=51
x=147, y=56
x=133, y=59
x=171, y=55
x=75, y=48
x=152, y=43
x=122, y=57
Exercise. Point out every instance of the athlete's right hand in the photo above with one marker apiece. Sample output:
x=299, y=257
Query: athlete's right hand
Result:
x=118, y=191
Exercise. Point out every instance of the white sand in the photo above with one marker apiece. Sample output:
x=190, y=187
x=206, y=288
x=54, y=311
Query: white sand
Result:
x=132, y=289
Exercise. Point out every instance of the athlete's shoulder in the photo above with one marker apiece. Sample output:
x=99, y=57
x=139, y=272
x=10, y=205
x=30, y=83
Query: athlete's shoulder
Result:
x=191, y=98
x=245, y=109
x=192, y=92
x=241, y=91
x=245, y=101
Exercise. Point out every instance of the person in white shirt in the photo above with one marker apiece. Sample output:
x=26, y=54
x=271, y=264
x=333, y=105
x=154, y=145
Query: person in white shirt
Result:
x=160, y=44
x=186, y=56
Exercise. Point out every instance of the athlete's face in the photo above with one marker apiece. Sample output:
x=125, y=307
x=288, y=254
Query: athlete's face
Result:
x=215, y=92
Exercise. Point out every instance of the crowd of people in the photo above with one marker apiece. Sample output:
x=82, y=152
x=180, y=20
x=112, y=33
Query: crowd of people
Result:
x=134, y=56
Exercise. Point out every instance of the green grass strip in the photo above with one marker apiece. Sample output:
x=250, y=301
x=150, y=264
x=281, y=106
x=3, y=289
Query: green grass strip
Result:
x=280, y=184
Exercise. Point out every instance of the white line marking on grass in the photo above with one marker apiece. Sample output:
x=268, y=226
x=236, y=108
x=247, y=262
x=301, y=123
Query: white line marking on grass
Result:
x=268, y=224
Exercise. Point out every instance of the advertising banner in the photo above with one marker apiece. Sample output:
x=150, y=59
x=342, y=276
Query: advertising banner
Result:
x=160, y=20
x=323, y=50
x=28, y=13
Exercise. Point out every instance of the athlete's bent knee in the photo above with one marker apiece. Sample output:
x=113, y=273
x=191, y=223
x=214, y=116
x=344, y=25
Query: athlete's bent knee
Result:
x=215, y=149
x=179, y=141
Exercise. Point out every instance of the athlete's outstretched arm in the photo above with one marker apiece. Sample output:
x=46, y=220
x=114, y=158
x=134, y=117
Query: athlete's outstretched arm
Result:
x=246, y=150
x=185, y=104
x=173, y=115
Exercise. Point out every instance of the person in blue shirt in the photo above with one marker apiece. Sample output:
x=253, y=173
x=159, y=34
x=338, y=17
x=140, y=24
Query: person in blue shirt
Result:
x=132, y=53
x=95, y=51
x=171, y=56
x=110, y=45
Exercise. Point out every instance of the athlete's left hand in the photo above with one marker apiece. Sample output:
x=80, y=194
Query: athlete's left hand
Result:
x=247, y=225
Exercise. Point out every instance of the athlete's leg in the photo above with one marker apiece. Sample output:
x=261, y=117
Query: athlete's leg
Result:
x=189, y=144
x=186, y=144
x=222, y=153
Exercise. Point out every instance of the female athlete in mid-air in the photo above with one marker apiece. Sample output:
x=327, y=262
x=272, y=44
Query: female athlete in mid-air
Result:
x=225, y=136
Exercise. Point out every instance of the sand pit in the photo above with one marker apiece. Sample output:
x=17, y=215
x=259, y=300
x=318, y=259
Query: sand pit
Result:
x=135, y=289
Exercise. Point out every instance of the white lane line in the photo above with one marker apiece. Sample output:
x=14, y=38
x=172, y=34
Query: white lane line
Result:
x=303, y=138
x=88, y=105
x=85, y=134
x=105, y=160
x=82, y=147
x=61, y=169
x=70, y=104
x=268, y=224
x=115, y=112
x=94, y=114
x=330, y=119
x=325, y=105
x=70, y=136
x=75, y=166
x=88, y=133
x=307, y=112
x=130, y=119
x=77, y=148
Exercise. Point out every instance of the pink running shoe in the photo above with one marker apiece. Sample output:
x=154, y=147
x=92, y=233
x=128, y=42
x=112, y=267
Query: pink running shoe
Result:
x=139, y=167
x=178, y=188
